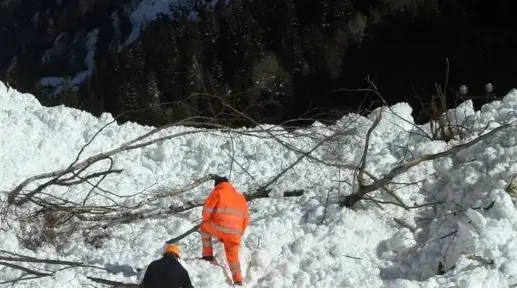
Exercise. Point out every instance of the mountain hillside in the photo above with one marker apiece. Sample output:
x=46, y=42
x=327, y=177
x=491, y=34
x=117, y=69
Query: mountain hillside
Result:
x=165, y=60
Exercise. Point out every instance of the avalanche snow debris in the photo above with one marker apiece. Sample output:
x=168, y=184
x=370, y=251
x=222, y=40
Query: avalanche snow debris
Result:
x=286, y=245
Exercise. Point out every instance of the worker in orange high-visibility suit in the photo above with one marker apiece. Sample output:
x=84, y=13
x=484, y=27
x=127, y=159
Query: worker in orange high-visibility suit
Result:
x=225, y=216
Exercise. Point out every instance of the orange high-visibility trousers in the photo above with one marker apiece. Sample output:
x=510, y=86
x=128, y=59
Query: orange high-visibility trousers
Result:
x=232, y=254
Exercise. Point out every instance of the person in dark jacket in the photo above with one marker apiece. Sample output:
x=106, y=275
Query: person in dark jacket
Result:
x=167, y=272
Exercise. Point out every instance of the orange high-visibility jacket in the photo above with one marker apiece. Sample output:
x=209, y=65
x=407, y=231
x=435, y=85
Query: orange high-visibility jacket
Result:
x=225, y=213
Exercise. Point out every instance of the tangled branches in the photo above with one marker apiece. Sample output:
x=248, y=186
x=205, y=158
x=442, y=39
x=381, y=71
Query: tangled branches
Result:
x=30, y=271
x=43, y=214
x=364, y=189
x=38, y=198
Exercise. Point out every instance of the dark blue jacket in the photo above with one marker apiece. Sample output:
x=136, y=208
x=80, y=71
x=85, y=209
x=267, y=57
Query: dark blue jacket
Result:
x=166, y=272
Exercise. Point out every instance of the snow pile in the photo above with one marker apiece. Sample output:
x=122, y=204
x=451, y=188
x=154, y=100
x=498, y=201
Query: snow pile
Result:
x=291, y=242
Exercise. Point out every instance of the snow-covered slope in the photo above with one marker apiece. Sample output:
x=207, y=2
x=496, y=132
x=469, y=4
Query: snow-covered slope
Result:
x=288, y=243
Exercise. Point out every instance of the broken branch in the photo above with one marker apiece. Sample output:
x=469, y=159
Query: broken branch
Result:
x=115, y=284
x=350, y=200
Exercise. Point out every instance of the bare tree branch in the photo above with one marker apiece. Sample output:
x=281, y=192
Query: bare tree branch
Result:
x=7, y=258
x=360, y=176
x=114, y=284
x=26, y=270
x=350, y=200
x=55, y=175
x=14, y=257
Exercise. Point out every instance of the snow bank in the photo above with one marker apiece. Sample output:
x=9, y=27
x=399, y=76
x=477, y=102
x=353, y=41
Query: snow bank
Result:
x=287, y=245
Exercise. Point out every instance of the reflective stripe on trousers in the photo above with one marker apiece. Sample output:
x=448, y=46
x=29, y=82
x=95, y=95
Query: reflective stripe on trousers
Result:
x=232, y=255
x=235, y=267
x=206, y=243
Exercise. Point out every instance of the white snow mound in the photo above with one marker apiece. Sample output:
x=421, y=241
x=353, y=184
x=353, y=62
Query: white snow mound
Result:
x=465, y=236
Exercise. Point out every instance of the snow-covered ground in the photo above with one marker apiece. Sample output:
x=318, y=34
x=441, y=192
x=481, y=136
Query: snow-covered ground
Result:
x=288, y=243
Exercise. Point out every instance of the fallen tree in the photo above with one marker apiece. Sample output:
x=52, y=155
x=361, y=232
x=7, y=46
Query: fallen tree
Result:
x=364, y=188
x=56, y=211
x=35, y=268
x=14, y=261
x=447, y=125
x=114, y=284
x=36, y=205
